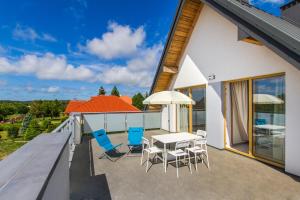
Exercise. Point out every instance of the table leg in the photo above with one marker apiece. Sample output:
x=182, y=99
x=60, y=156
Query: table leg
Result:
x=165, y=157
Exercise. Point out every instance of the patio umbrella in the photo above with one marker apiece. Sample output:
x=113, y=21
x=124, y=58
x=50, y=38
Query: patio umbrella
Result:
x=266, y=99
x=168, y=98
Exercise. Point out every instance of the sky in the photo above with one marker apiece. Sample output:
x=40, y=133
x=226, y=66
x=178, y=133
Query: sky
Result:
x=269, y=6
x=67, y=49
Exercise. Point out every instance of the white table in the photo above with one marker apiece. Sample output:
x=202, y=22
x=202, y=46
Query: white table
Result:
x=172, y=138
x=270, y=127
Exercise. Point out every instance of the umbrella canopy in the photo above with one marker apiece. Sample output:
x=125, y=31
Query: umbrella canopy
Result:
x=266, y=99
x=168, y=97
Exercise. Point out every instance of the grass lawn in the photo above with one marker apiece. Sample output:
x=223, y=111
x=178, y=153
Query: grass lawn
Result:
x=3, y=135
x=8, y=146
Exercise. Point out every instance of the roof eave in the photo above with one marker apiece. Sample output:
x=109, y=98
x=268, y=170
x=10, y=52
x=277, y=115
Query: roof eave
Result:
x=284, y=46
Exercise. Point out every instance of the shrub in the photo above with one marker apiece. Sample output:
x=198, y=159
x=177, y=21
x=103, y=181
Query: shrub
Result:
x=12, y=131
x=50, y=128
x=32, y=130
x=64, y=118
x=45, y=124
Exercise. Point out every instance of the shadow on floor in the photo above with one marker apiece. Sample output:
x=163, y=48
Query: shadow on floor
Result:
x=84, y=184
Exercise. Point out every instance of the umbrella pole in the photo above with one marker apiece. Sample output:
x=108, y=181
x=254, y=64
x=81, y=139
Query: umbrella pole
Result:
x=169, y=118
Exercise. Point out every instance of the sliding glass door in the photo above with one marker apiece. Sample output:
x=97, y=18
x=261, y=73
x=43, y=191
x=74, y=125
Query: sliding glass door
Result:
x=269, y=118
x=255, y=112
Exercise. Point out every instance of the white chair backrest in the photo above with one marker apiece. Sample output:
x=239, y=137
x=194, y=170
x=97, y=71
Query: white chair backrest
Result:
x=182, y=145
x=146, y=143
x=199, y=142
x=202, y=133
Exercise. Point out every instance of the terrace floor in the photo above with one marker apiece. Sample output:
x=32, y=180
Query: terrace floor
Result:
x=231, y=176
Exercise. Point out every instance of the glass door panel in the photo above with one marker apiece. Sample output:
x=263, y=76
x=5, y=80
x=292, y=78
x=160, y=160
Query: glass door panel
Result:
x=269, y=118
x=184, y=114
x=183, y=118
x=199, y=109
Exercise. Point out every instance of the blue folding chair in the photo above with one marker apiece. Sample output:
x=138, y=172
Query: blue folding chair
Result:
x=104, y=142
x=260, y=121
x=135, y=137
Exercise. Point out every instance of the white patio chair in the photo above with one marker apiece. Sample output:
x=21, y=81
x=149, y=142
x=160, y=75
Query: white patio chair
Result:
x=202, y=134
x=199, y=150
x=146, y=147
x=179, y=152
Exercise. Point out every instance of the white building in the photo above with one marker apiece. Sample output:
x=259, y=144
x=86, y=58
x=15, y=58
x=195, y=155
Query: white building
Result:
x=242, y=67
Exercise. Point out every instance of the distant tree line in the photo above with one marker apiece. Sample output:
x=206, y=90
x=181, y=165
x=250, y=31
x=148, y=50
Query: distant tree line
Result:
x=137, y=99
x=40, y=108
x=47, y=108
x=114, y=91
x=9, y=108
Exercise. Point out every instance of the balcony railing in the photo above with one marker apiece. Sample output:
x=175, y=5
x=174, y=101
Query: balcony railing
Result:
x=68, y=128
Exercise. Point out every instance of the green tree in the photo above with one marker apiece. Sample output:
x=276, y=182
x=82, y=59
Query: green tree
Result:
x=101, y=91
x=32, y=130
x=53, y=108
x=137, y=101
x=115, y=91
x=37, y=108
x=21, y=108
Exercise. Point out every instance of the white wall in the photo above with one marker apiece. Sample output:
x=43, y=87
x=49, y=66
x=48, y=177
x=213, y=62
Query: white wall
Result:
x=214, y=116
x=164, y=118
x=214, y=49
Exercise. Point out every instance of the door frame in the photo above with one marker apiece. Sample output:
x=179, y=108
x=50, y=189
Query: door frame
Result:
x=250, y=153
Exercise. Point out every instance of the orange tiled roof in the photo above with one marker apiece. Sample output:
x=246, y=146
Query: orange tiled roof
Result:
x=127, y=99
x=73, y=104
x=105, y=104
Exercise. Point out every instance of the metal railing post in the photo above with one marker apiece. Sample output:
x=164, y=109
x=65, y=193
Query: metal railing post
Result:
x=126, y=125
x=144, y=122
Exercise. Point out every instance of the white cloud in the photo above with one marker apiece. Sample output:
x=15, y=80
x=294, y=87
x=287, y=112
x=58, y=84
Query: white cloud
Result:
x=47, y=66
x=53, y=89
x=138, y=71
x=48, y=37
x=29, y=34
x=120, y=41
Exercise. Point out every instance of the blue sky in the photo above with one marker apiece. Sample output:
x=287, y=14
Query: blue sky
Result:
x=270, y=6
x=67, y=49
